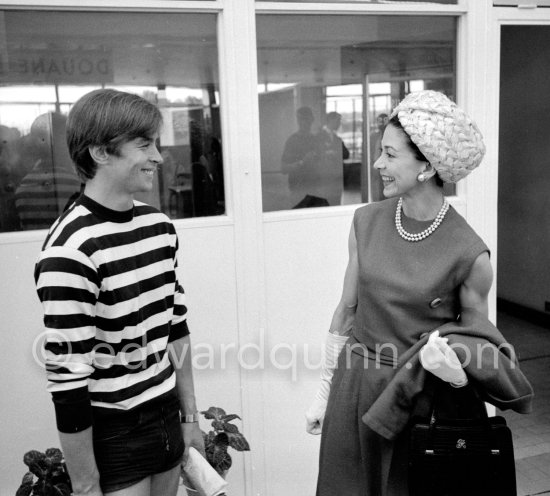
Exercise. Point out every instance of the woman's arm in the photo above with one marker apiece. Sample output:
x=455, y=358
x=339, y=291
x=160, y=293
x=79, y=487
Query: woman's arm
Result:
x=336, y=339
x=474, y=291
x=437, y=356
x=344, y=314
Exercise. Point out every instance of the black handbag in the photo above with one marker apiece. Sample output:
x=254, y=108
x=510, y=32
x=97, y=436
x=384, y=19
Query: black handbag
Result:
x=461, y=456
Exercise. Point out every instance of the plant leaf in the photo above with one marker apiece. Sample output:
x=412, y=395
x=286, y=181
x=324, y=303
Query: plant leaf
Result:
x=24, y=490
x=227, y=427
x=39, y=487
x=37, y=470
x=228, y=418
x=213, y=413
x=222, y=440
x=238, y=442
x=55, y=455
x=217, y=425
x=33, y=456
x=62, y=490
x=28, y=479
x=221, y=460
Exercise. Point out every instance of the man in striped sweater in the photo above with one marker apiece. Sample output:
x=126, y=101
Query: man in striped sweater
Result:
x=118, y=350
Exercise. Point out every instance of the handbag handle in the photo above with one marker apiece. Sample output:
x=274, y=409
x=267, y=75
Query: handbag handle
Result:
x=484, y=418
x=436, y=400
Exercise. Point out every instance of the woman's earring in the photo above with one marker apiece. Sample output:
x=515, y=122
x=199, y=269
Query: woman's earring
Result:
x=421, y=178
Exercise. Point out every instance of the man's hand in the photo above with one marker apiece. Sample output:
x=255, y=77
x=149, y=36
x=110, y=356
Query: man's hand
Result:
x=192, y=436
x=78, y=449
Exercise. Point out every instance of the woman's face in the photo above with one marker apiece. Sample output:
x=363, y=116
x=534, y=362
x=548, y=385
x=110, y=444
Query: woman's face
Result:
x=398, y=165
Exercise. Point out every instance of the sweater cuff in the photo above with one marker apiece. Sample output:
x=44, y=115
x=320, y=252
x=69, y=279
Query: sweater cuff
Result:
x=73, y=410
x=177, y=331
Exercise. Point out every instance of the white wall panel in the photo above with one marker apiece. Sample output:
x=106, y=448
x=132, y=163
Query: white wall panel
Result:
x=207, y=272
x=27, y=417
x=305, y=260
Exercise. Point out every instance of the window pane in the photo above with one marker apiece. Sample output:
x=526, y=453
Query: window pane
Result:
x=327, y=85
x=50, y=59
x=451, y=2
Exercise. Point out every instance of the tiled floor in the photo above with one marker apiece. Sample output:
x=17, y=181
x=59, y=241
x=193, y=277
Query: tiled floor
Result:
x=531, y=432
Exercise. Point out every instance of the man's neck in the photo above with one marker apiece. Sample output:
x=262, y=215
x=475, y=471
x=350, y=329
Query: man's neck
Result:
x=105, y=195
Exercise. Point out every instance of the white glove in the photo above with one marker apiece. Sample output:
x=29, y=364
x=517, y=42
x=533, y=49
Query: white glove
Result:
x=437, y=357
x=316, y=412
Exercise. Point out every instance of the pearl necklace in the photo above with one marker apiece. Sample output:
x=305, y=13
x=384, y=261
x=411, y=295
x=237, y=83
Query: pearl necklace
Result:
x=426, y=232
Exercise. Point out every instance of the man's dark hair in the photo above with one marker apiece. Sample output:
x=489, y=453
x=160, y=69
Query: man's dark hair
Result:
x=107, y=118
x=304, y=113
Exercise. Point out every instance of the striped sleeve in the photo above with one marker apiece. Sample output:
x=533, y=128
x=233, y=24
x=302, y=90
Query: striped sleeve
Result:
x=178, y=328
x=68, y=286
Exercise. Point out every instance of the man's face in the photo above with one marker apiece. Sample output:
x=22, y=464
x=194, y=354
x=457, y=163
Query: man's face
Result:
x=334, y=123
x=135, y=167
x=304, y=122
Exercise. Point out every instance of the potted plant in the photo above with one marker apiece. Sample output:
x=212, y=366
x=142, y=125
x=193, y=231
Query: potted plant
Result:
x=47, y=475
x=222, y=436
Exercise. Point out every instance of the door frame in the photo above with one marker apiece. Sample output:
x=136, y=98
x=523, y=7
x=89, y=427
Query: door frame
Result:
x=502, y=16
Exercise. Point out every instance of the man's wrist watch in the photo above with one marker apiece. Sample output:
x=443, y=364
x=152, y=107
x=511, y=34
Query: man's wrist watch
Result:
x=190, y=418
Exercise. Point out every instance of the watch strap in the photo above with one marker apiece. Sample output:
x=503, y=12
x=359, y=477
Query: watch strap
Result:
x=190, y=418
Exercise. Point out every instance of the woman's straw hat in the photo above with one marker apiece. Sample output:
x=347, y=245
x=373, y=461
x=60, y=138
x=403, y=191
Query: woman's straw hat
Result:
x=447, y=137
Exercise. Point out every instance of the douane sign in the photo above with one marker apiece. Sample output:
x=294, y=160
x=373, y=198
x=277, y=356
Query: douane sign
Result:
x=48, y=66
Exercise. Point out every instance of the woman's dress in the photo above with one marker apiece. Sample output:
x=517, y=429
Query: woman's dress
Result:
x=405, y=289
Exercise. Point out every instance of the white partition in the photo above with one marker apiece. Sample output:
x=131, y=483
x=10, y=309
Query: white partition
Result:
x=305, y=260
x=27, y=415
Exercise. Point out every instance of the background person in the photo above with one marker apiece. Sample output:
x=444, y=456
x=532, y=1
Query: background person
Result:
x=11, y=174
x=300, y=159
x=415, y=266
x=332, y=152
x=51, y=181
x=113, y=309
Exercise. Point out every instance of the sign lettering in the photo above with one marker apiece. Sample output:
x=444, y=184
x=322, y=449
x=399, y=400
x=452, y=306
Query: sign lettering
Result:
x=82, y=66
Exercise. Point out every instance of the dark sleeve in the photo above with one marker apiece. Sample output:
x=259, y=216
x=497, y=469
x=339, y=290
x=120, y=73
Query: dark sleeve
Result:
x=345, y=151
x=178, y=327
x=73, y=410
x=68, y=286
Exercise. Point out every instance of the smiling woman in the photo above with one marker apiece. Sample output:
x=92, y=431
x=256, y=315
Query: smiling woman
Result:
x=398, y=164
x=415, y=268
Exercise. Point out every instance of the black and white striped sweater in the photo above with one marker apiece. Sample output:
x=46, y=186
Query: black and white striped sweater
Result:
x=112, y=303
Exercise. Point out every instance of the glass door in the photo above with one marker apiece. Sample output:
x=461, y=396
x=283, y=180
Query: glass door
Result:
x=523, y=282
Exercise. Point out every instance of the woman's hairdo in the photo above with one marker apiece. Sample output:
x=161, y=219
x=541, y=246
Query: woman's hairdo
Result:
x=443, y=132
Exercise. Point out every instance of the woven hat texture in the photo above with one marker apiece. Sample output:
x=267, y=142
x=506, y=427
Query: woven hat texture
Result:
x=447, y=137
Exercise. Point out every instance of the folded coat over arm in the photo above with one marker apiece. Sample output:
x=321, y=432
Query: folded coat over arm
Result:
x=488, y=359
